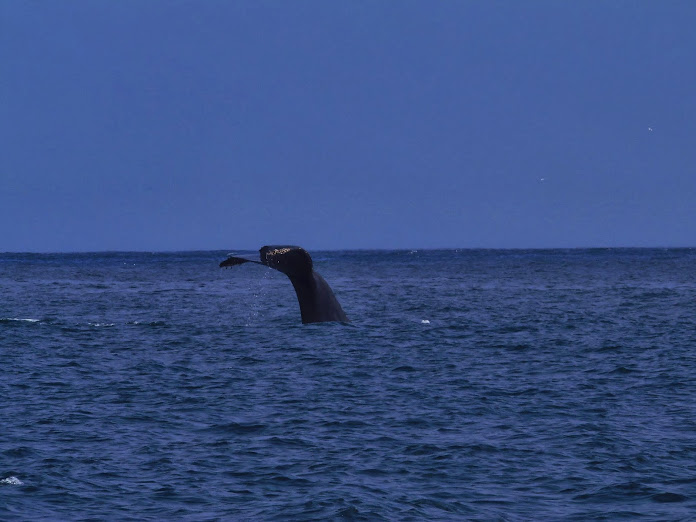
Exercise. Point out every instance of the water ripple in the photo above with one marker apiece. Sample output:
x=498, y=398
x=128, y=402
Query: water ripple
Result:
x=548, y=385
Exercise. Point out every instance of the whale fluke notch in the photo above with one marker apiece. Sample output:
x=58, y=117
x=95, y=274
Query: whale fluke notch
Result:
x=317, y=301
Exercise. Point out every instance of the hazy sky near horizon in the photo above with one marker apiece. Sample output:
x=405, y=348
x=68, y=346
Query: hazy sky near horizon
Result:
x=175, y=125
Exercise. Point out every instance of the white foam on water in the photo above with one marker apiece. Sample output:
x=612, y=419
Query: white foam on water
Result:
x=18, y=319
x=425, y=321
x=11, y=481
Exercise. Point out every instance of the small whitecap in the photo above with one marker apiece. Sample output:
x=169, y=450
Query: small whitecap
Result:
x=105, y=325
x=11, y=481
x=8, y=319
x=425, y=321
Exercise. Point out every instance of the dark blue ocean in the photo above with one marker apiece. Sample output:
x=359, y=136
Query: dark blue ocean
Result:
x=469, y=385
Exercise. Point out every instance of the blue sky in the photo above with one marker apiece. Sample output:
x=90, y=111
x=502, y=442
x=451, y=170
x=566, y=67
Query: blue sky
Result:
x=174, y=125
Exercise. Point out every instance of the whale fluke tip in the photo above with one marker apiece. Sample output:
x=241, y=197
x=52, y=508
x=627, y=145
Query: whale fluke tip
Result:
x=233, y=261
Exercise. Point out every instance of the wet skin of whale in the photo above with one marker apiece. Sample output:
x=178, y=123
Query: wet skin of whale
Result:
x=318, y=303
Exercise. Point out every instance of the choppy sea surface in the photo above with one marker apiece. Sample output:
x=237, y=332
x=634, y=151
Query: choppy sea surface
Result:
x=469, y=385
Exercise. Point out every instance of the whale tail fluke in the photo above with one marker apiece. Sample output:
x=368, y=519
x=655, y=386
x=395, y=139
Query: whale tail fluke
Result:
x=293, y=261
x=317, y=300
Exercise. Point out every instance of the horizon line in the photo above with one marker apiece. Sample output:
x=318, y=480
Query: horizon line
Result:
x=405, y=249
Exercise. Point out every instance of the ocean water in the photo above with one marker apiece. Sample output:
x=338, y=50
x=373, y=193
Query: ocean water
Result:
x=469, y=385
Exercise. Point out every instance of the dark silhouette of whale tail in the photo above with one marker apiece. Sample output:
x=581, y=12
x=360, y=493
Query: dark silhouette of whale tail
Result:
x=317, y=301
